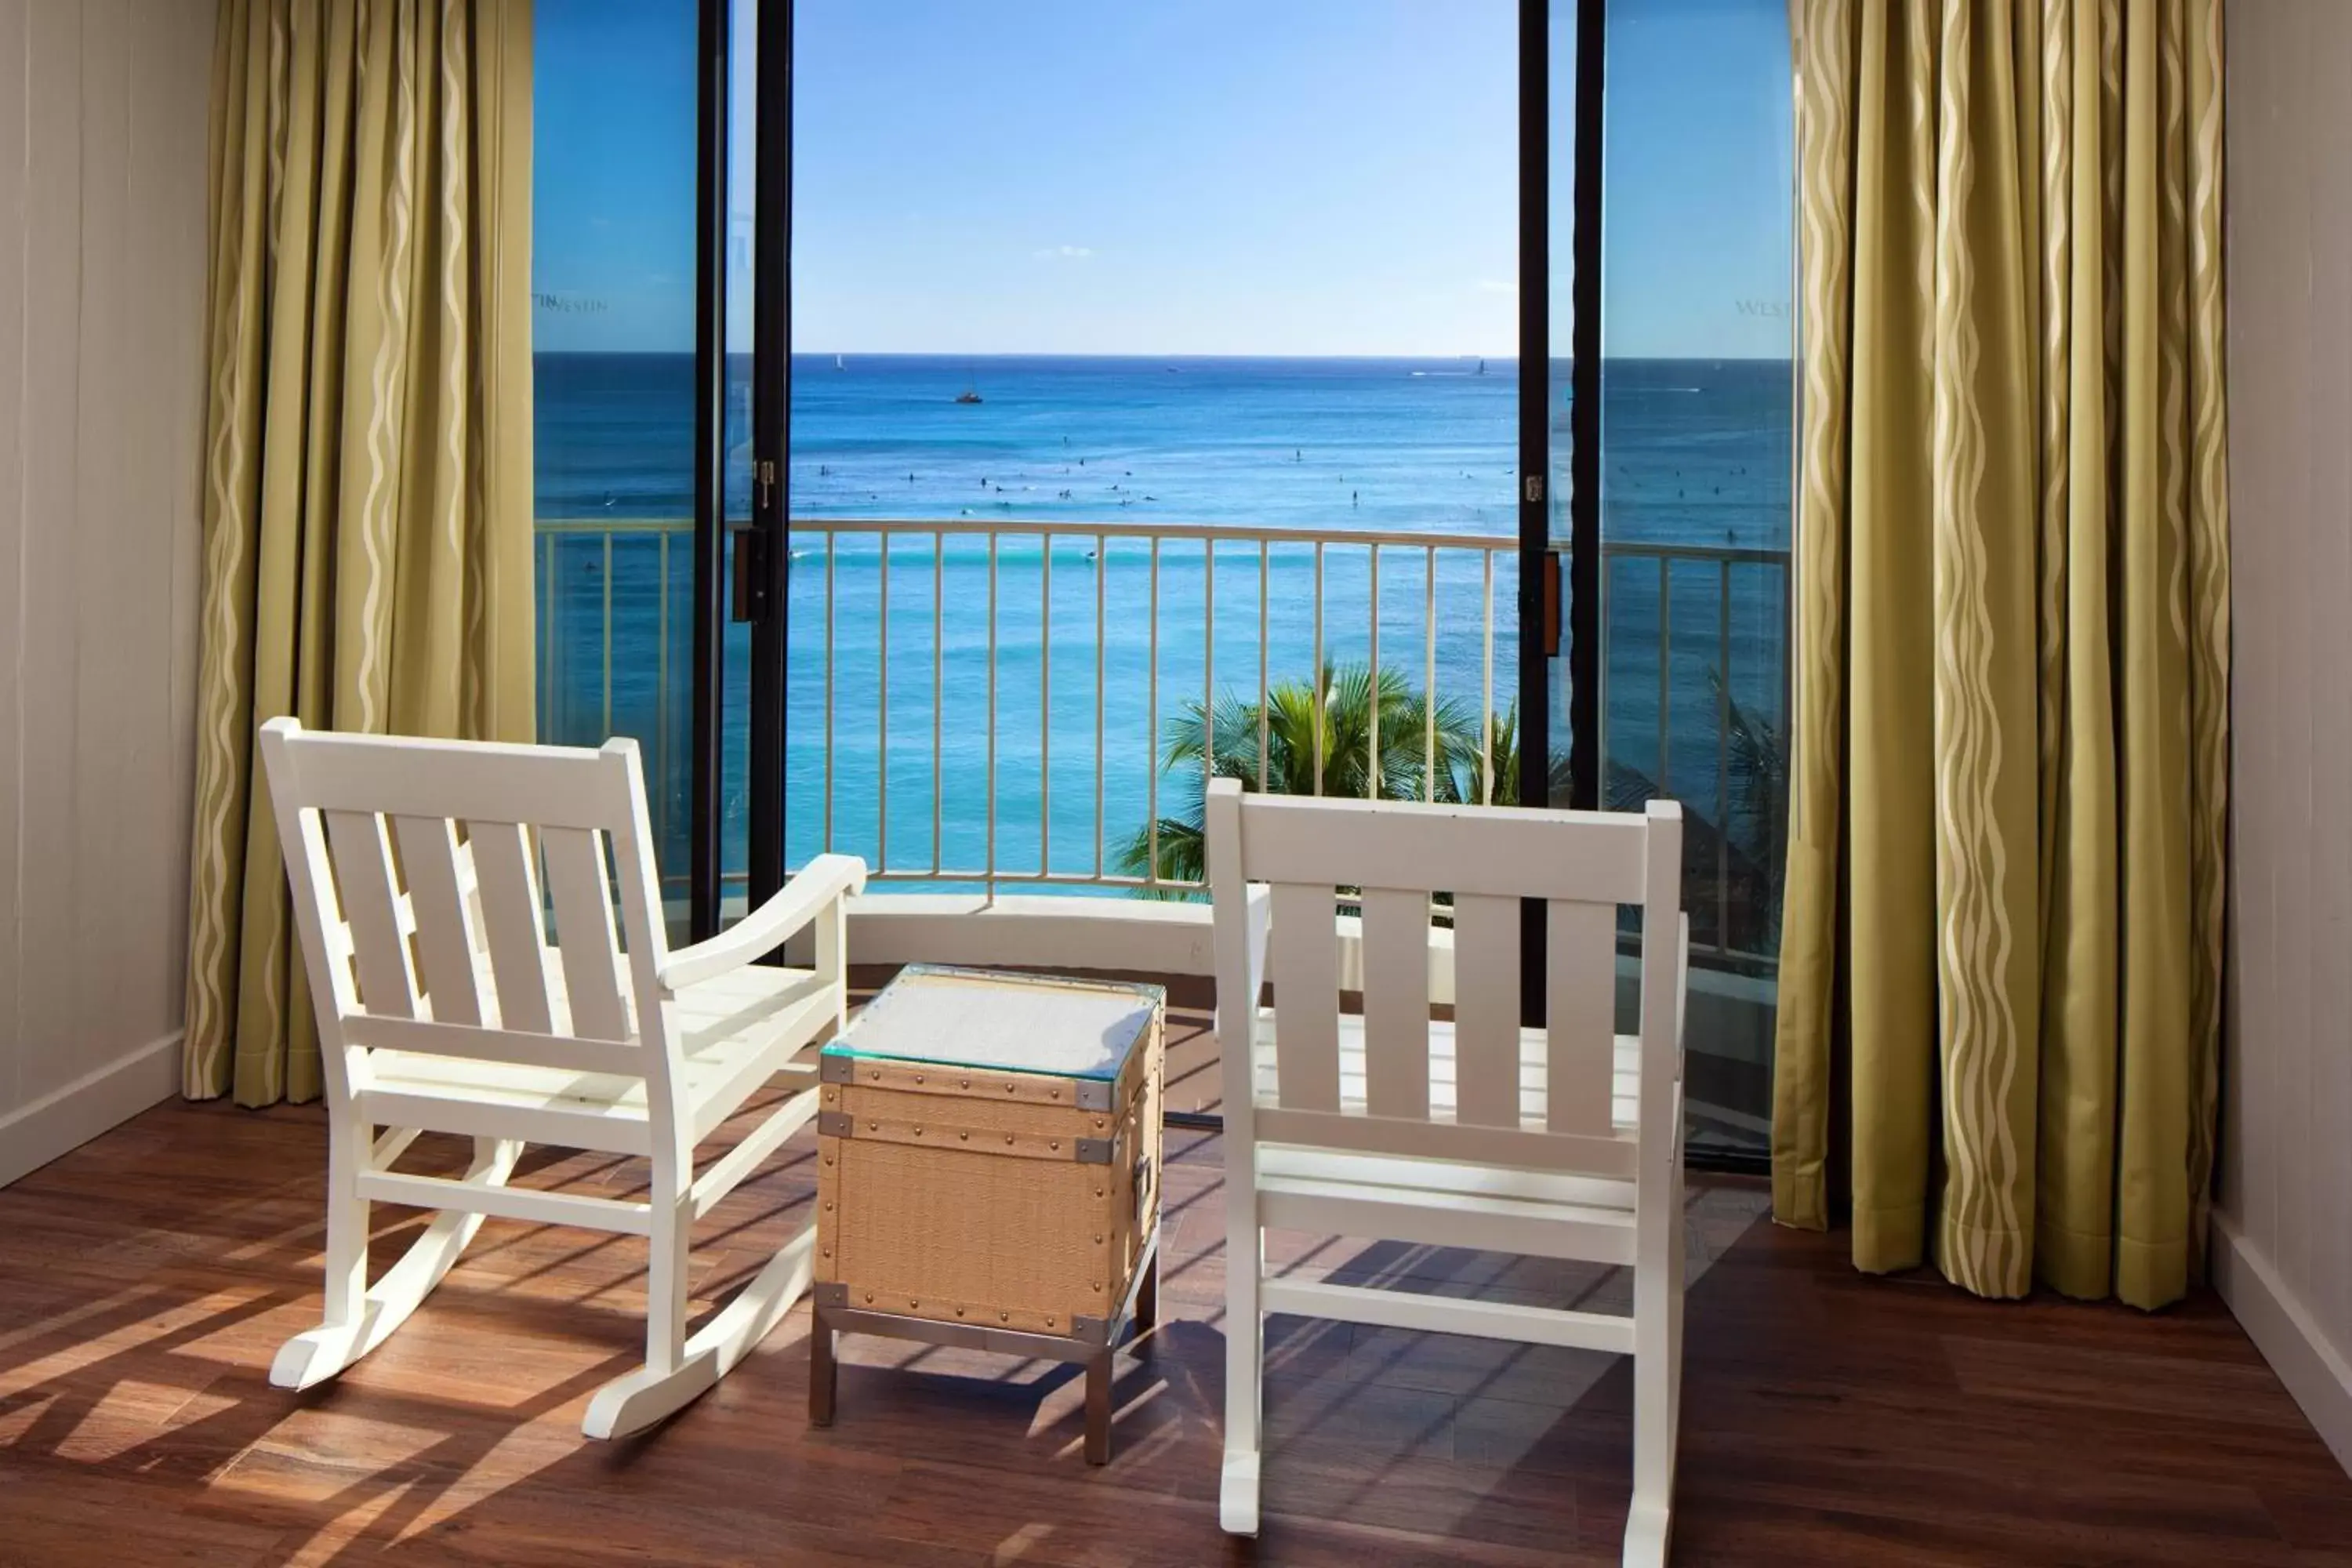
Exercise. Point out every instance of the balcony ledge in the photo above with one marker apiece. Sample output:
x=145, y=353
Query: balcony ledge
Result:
x=1062, y=932
x=1731, y=1014
x=1032, y=931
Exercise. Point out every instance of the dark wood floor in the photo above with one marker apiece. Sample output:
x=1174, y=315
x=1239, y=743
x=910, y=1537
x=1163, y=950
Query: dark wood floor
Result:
x=146, y=1279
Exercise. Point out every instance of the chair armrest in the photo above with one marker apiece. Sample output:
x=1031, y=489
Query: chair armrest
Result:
x=797, y=902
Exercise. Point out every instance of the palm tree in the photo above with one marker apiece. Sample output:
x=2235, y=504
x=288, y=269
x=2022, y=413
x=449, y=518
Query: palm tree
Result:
x=1500, y=759
x=1748, y=843
x=1341, y=709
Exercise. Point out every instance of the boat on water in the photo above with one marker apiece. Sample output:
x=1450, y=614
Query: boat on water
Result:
x=837, y=364
x=967, y=395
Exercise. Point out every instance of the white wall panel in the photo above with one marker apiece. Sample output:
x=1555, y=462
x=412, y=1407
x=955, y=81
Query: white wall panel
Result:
x=103, y=126
x=2283, y=1246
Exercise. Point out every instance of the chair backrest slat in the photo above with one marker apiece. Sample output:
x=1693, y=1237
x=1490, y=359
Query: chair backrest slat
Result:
x=583, y=932
x=546, y=786
x=510, y=911
x=1579, y=1015
x=1396, y=1003
x=444, y=927
x=370, y=908
x=1486, y=1087
x=1306, y=964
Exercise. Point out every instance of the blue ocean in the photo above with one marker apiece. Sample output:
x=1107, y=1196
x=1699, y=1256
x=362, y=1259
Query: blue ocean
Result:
x=1697, y=457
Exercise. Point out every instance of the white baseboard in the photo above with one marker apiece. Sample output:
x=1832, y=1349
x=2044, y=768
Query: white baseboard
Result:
x=105, y=1096
x=2313, y=1370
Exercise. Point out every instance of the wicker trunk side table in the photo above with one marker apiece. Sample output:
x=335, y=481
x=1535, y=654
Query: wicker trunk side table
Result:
x=989, y=1173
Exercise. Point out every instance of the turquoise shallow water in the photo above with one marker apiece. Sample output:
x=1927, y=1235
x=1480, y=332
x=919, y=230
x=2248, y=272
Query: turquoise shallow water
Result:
x=1695, y=453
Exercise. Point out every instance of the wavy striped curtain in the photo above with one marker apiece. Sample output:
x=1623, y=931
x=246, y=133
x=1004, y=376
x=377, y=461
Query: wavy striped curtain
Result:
x=367, y=556
x=2002, y=955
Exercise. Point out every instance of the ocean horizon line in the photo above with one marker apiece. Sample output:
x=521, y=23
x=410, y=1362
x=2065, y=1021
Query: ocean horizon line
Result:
x=1114, y=356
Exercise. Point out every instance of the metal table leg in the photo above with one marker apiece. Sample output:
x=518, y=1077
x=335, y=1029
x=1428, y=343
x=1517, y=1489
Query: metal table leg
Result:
x=824, y=1370
x=1099, y=1377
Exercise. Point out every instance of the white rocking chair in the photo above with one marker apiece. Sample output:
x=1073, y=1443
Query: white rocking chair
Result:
x=1564, y=1142
x=443, y=1007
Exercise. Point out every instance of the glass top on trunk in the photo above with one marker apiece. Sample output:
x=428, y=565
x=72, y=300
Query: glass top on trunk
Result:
x=1009, y=1023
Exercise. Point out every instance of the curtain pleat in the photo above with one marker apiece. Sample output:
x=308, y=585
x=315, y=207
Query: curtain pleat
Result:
x=2001, y=949
x=367, y=559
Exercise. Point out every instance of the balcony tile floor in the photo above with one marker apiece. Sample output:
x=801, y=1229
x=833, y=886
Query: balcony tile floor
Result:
x=146, y=1279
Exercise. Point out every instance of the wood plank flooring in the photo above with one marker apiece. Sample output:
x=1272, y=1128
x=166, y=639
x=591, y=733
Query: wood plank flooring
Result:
x=146, y=1279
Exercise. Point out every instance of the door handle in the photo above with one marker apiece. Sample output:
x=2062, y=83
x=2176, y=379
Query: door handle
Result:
x=749, y=596
x=1552, y=604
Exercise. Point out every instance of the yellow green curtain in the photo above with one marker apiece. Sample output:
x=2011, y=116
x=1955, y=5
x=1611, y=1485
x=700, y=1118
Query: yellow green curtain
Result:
x=2001, y=951
x=367, y=553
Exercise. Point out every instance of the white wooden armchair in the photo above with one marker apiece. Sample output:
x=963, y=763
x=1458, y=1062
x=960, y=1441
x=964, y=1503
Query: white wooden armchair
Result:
x=1563, y=1142
x=443, y=1006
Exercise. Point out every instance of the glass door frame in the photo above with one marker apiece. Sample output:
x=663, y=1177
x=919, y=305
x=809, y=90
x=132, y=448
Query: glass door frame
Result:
x=752, y=560
x=706, y=794
x=772, y=401
x=1545, y=599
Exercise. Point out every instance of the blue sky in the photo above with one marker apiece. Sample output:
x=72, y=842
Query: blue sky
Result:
x=1177, y=176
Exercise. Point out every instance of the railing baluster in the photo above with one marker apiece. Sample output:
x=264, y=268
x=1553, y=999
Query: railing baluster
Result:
x=1723, y=757
x=1320, y=694
x=939, y=686
x=1265, y=564
x=882, y=717
x=1487, y=682
x=1102, y=569
x=1152, y=731
x=661, y=688
x=1666, y=672
x=1045, y=709
x=607, y=638
x=1607, y=579
x=992, y=718
x=1429, y=676
x=831, y=683
x=550, y=672
x=1372, y=730
x=1208, y=666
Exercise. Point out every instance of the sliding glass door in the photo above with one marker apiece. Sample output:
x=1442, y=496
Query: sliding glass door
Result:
x=1105, y=463
x=1667, y=428
x=649, y=289
x=1696, y=403
x=615, y=304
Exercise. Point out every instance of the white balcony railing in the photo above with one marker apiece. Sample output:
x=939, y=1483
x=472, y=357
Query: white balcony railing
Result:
x=1175, y=651
x=985, y=703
